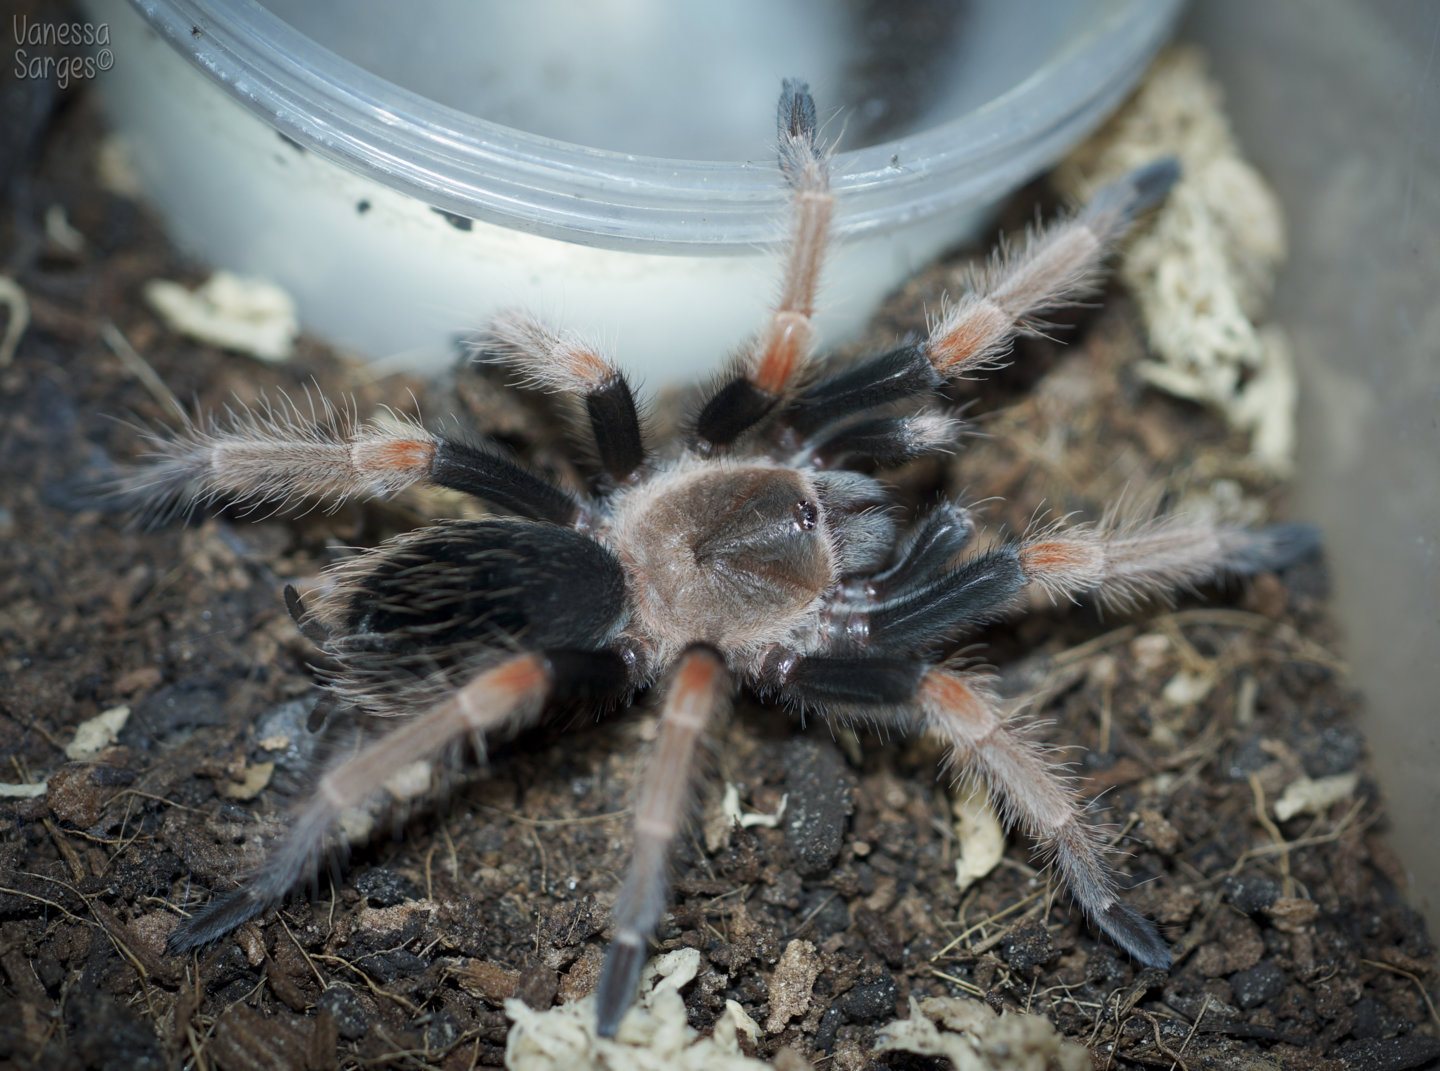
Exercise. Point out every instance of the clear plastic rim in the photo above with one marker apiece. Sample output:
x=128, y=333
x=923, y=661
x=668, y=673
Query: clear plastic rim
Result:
x=482, y=170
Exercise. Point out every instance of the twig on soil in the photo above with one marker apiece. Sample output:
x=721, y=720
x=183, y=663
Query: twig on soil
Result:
x=67, y=853
x=1342, y=828
x=157, y=799
x=985, y=922
x=810, y=916
x=319, y=978
x=48, y=903
x=1190, y=1036
x=1287, y=882
x=1082, y=651
x=371, y=984
x=1406, y=974
x=1160, y=1041
x=969, y=987
x=1303, y=649
x=984, y=946
x=141, y=369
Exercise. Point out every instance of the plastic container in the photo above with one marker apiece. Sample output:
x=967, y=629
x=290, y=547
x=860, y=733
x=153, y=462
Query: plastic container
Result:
x=305, y=143
x=1341, y=110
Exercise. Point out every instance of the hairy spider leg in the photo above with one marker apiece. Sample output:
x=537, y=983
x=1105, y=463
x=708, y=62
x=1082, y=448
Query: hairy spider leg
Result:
x=1120, y=563
x=931, y=545
x=1052, y=267
x=884, y=442
x=434, y=621
x=279, y=455
x=902, y=374
x=779, y=356
x=1031, y=794
x=925, y=614
x=1028, y=789
x=509, y=694
x=698, y=692
x=562, y=361
x=1115, y=563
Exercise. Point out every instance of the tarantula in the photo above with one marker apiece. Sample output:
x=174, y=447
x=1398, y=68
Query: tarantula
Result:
x=751, y=554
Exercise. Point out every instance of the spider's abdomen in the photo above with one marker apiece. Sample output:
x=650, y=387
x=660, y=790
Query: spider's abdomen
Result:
x=447, y=598
x=727, y=554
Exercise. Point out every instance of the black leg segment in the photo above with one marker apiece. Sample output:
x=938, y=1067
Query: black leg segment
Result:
x=939, y=536
x=822, y=680
x=616, y=426
x=795, y=122
x=589, y=676
x=884, y=441
x=891, y=377
x=485, y=474
x=731, y=411
x=923, y=617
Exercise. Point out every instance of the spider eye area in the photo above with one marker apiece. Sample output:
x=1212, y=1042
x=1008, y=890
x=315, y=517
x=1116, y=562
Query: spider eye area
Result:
x=807, y=515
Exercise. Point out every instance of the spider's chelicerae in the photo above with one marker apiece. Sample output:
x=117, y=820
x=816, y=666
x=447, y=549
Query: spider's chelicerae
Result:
x=752, y=554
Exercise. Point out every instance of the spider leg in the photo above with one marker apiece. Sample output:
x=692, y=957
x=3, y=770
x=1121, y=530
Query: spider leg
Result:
x=423, y=623
x=1053, y=266
x=698, y=690
x=901, y=374
x=785, y=344
x=509, y=693
x=484, y=473
x=841, y=681
x=884, y=441
x=925, y=613
x=959, y=710
x=562, y=361
x=275, y=453
x=930, y=546
x=1120, y=563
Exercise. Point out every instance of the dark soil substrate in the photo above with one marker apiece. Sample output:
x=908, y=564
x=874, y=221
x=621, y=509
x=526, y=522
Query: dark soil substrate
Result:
x=1296, y=946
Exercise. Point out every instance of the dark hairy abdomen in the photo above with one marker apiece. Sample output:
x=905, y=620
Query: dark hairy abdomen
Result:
x=487, y=583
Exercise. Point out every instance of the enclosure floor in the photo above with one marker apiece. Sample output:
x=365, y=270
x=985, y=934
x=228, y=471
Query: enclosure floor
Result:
x=1295, y=945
